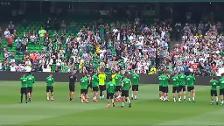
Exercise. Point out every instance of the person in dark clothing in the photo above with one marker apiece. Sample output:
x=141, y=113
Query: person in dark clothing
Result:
x=72, y=80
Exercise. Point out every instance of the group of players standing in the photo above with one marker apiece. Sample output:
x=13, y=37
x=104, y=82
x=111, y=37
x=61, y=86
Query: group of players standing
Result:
x=181, y=83
x=214, y=82
x=116, y=87
x=27, y=82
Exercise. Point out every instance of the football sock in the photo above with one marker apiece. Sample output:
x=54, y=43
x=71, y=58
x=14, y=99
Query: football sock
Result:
x=167, y=98
x=21, y=98
x=29, y=99
x=48, y=96
x=26, y=97
x=160, y=98
x=217, y=99
x=129, y=105
x=101, y=93
x=128, y=100
x=179, y=99
x=174, y=99
x=52, y=98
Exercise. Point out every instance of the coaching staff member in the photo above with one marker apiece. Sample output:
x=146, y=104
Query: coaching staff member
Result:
x=72, y=80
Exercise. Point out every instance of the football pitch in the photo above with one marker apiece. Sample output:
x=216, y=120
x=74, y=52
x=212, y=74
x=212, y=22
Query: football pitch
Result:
x=145, y=111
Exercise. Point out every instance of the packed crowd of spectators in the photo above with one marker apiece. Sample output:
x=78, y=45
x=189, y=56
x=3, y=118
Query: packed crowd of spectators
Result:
x=201, y=49
x=121, y=46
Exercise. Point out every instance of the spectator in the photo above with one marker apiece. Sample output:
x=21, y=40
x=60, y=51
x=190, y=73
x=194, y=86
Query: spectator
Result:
x=10, y=40
x=42, y=32
x=18, y=42
x=33, y=38
x=7, y=33
x=11, y=27
x=13, y=67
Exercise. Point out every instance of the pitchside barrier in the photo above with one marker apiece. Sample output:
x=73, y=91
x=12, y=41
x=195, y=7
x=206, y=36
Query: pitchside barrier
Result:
x=63, y=77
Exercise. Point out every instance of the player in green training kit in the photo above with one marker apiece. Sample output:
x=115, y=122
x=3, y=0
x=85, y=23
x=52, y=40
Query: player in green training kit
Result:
x=164, y=82
x=160, y=88
x=175, y=81
x=182, y=86
x=30, y=82
x=135, y=82
x=84, y=82
x=110, y=94
x=95, y=84
x=214, y=83
x=190, y=80
x=221, y=89
x=118, y=83
x=23, y=90
x=50, y=88
x=125, y=91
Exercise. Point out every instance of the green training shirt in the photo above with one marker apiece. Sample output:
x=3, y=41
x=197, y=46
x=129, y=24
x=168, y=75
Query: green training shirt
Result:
x=163, y=80
x=30, y=80
x=95, y=80
x=214, y=84
x=126, y=84
x=84, y=82
x=135, y=79
x=110, y=87
x=190, y=80
x=175, y=80
x=182, y=79
x=23, y=80
x=221, y=83
x=50, y=81
x=118, y=79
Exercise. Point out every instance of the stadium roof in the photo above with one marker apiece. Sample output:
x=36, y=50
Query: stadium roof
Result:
x=131, y=1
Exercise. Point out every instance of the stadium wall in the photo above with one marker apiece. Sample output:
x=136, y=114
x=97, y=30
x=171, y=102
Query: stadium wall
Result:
x=63, y=77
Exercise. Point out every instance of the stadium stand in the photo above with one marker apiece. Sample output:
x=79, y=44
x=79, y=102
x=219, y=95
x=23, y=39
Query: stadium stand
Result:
x=54, y=45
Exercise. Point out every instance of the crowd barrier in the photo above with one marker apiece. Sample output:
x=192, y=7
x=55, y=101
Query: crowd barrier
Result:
x=63, y=77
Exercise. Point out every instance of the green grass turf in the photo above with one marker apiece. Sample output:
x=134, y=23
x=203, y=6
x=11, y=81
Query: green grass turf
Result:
x=148, y=110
